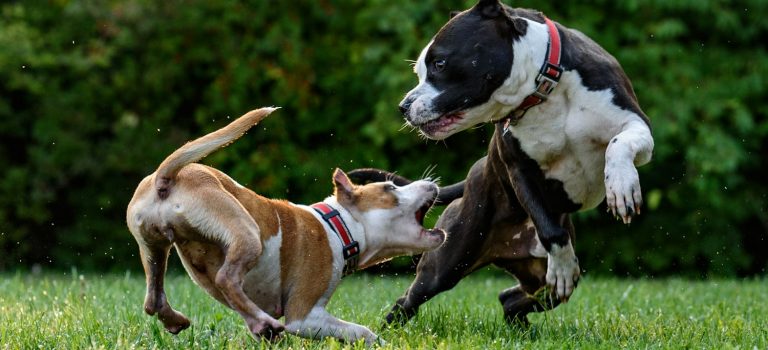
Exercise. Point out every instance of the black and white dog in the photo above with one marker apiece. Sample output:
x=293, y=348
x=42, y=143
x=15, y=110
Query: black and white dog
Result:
x=569, y=132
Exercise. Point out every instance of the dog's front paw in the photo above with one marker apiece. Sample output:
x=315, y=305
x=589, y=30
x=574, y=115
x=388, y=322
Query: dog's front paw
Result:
x=265, y=328
x=562, y=271
x=371, y=339
x=622, y=191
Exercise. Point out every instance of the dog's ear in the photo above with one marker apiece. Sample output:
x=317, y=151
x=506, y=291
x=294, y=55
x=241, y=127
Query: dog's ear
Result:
x=519, y=24
x=493, y=9
x=490, y=8
x=343, y=188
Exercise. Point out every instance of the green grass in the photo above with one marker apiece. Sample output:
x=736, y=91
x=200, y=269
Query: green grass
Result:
x=70, y=311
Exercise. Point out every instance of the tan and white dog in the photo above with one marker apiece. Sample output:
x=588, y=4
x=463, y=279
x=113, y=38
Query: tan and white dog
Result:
x=268, y=258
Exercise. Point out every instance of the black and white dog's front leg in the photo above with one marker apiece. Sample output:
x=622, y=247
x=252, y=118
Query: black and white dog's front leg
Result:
x=631, y=147
x=562, y=265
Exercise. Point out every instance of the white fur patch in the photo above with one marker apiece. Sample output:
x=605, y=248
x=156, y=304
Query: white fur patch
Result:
x=262, y=283
x=537, y=250
x=425, y=93
x=420, y=68
x=421, y=107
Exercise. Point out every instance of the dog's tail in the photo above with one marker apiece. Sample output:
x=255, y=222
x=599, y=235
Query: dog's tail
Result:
x=198, y=149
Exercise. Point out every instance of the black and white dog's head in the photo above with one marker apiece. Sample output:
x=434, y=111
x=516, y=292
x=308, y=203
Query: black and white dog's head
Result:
x=461, y=68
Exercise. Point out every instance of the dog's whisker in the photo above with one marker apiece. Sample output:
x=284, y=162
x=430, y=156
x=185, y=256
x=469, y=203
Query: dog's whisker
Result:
x=391, y=176
x=427, y=174
x=478, y=126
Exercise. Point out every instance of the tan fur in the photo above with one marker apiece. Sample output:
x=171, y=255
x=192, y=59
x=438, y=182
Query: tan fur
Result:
x=228, y=238
x=305, y=259
x=201, y=147
x=374, y=197
x=219, y=242
x=254, y=204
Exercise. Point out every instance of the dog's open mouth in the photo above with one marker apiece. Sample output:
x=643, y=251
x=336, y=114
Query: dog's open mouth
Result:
x=442, y=122
x=421, y=213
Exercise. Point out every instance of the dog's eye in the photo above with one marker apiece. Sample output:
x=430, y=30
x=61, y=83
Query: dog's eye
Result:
x=389, y=188
x=439, y=65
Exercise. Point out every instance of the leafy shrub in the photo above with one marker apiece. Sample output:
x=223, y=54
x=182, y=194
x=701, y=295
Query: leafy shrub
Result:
x=94, y=96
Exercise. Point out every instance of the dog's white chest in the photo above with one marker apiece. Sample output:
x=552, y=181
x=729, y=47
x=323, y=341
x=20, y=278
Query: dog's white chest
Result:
x=568, y=135
x=578, y=167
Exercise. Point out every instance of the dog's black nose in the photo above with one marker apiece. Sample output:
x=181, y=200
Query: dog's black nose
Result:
x=404, y=107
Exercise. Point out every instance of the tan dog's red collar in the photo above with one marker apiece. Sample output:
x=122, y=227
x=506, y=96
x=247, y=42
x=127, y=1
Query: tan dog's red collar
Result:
x=548, y=78
x=351, y=249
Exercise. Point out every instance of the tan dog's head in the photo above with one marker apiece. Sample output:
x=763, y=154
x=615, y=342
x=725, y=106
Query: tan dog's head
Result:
x=393, y=216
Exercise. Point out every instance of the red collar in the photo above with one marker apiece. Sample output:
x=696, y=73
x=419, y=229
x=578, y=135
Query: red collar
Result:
x=351, y=249
x=549, y=76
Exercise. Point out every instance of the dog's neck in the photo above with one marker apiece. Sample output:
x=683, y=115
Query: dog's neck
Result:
x=371, y=249
x=530, y=52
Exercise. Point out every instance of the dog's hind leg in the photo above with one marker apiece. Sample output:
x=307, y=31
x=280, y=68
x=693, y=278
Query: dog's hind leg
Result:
x=155, y=240
x=154, y=257
x=229, y=281
x=528, y=296
x=223, y=219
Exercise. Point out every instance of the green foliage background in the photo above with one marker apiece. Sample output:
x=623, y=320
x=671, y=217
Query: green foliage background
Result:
x=93, y=95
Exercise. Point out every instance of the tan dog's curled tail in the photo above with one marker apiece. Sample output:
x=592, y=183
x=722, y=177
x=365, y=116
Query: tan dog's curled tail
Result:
x=198, y=149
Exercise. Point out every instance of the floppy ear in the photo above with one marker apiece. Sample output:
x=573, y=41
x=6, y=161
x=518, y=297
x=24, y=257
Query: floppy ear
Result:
x=343, y=188
x=489, y=8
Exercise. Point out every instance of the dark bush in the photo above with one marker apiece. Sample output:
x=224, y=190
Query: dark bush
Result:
x=94, y=96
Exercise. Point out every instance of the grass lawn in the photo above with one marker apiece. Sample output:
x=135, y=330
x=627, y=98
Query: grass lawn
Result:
x=71, y=311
